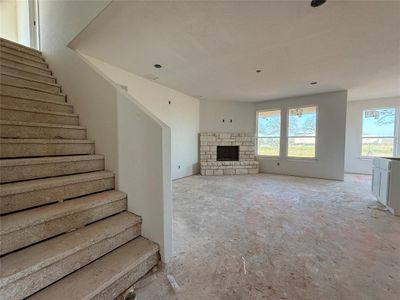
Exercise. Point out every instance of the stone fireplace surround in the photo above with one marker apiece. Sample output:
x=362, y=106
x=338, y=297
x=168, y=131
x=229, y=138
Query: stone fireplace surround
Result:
x=209, y=165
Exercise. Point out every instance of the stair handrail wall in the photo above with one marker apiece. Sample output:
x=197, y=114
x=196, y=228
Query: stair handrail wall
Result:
x=144, y=164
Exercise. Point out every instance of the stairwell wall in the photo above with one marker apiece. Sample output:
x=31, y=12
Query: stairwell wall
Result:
x=123, y=131
x=179, y=111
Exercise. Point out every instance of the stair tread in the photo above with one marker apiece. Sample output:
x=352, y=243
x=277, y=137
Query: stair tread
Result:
x=7, y=51
x=6, y=41
x=27, y=71
x=34, y=110
x=46, y=160
x=36, y=99
x=32, y=89
x=27, y=64
x=22, y=263
x=91, y=279
x=34, y=124
x=23, y=54
x=46, y=183
x=44, y=141
x=34, y=216
x=30, y=79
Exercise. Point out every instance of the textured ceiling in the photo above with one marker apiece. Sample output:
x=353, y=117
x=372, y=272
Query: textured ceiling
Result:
x=213, y=49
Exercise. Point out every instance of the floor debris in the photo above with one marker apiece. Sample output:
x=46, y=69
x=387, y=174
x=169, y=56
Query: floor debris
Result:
x=244, y=266
x=173, y=283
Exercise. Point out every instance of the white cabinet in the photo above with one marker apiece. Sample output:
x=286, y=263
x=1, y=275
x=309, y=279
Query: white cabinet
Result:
x=386, y=182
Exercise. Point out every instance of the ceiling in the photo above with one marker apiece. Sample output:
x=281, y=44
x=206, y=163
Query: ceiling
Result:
x=211, y=50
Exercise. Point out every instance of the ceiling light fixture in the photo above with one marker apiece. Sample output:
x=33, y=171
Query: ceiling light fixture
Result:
x=314, y=82
x=316, y=3
x=158, y=66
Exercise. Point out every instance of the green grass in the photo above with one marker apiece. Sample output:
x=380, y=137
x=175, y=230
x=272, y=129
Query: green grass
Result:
x=307, y=151
x=377, y=150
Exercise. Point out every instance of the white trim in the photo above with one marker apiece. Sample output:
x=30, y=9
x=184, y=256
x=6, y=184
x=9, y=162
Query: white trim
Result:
x=396, y=139
x=296, y=158
x=272, y=137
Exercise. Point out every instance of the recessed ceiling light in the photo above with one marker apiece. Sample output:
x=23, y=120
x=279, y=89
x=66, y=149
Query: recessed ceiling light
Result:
x=316, y=3
x=258, y=71
x=158, y=66
x=314, y=82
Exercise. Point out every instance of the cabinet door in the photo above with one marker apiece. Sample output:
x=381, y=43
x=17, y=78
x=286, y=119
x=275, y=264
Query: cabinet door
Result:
x=384, y=187
x=376, y=181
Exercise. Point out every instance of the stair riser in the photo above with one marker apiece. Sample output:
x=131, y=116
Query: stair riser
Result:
x=43, y=277
x=113, y=290
x=34, y=104
x=16, y=202
x=19, y=48
x=25, y=66
x=31, y=57
x=30, y=75
x=37, y=150
x=28, y=93
x=28, y=83
x=21, y=59
x=36, y=233
x=29, y=116
x=36, y=132
x=27, y=172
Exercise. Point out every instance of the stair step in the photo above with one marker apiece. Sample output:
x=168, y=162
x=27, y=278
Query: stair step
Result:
x=12, y=113
x=27, y=92
x=24, y=65
x=44, y=147
x=19, y=47
x=28, y=103
x=106, y=277
x=33, y=168
x=26, y=194
x=4, y=67
x=15, y=129
x=21, y=54
x=19, y=58
x=29, y=270
x=30, y=83
x=25, y=228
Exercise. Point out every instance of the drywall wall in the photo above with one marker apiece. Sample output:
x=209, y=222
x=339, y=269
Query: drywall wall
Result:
x=179, y=111
x=222, y=116
x=8, y=20
x=104, y=108
x=354, y=163
x=331, y=126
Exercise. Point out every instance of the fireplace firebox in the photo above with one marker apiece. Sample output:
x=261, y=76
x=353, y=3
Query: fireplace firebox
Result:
x=227, y=153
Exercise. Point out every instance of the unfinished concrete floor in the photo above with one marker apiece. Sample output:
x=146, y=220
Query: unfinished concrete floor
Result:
x=279, y=237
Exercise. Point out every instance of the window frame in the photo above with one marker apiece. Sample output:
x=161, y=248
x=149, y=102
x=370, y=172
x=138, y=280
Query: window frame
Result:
x=297, y=158
x=280, y=134
x=395, y=138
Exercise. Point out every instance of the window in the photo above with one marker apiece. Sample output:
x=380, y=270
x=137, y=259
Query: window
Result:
x=268, y=132
x=378, y=132
x=302, y=132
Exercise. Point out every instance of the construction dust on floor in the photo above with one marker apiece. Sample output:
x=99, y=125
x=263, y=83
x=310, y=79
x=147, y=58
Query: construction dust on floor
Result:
x=278, y=237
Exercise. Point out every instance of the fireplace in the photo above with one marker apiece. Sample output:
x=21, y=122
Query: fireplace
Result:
x=227, y=153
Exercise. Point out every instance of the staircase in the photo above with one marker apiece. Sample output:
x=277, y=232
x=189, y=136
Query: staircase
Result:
x=65, y=231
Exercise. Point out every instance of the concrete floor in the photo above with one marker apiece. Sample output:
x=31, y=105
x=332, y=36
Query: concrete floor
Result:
x=279, y=237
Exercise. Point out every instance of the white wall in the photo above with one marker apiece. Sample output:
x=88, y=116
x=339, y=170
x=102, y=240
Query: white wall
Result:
x=212, y=114
x=354, y=163
x=181, y=115
x=8, y=20
x=113, y=120
x=331, y=126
